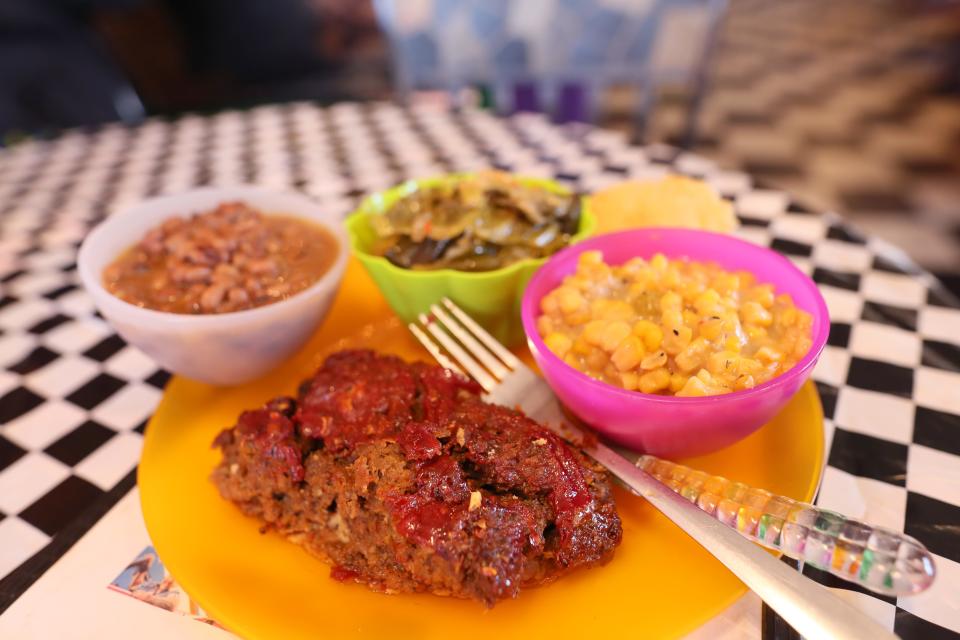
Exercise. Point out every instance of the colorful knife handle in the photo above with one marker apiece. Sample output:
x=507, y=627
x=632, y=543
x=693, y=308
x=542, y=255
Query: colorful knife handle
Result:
x=878, y=559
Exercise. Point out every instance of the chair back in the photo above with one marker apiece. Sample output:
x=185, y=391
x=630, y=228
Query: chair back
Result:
x=557, y=56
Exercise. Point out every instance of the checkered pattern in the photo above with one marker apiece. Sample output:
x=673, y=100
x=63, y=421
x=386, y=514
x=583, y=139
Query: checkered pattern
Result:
x=850, y=105
x=74, y=398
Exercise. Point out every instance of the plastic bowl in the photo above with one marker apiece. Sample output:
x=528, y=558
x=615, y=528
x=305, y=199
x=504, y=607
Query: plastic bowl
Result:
x=223, y=348
x=493, y=298
x=667, y=425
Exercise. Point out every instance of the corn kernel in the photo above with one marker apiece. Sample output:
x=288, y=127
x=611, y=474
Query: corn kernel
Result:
x=726, y=283
x=593, y=332
x=549, y=305
x=658, y=262
x=692, y=356
x=610, y=372
x=569, y=299
x=629, y=380
x=637, y=289
x=788, y=341
x=711, y=328
x=559, y=343
x=699, y=344
x=753, y=313
x=628, y=354
x=612, y=309
x=591, y=257
x=677, y=381
x=755, y=333
x=581, y=347
x=671, y=301
x=597, y=359
x=545, y=325
x=723, y=363
x=616, y=333
x=677, y=340
x=707, y=303
x=670, y=279
x=767, y=354
x=749, y=366
x=643, y=326
x=671, y=320
x=687, y=361
x=694, y=388
x=733, y=343
x=788, y=317
x=578, y=282
x=652, y=337
x=654, y=361
x=634, y=265
x=654, y=381
x=762, y=294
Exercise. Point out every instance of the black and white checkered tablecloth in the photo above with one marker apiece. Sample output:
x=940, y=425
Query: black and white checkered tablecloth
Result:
x=74, y=399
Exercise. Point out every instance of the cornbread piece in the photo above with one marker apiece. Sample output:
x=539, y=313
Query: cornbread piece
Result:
x=403, y=479
x=672, y=201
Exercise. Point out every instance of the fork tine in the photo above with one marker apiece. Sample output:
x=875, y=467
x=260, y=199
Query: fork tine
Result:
x=434, y=350
x=473, y=368
x=476, y=349
x=491, y=343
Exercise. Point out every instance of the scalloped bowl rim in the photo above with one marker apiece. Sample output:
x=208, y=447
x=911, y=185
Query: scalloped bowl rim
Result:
x=364, y=211
x=530, y=311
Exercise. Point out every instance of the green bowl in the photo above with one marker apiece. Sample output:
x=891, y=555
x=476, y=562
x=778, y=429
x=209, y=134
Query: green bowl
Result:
x=490, y=297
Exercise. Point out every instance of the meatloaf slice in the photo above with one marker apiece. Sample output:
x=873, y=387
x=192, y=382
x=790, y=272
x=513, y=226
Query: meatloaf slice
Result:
x=403, y=479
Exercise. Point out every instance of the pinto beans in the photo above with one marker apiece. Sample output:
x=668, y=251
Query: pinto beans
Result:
x=228, y=259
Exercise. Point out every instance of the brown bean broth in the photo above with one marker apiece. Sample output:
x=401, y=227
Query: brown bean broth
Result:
x=230, y=259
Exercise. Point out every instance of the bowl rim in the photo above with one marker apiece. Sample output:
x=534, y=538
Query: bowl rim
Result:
x=93, y=284
x=530, y=308
x=365, y=210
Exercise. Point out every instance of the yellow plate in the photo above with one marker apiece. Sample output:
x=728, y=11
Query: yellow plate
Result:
x=659, y=583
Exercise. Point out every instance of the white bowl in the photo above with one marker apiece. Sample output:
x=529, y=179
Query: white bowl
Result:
x=225, y=348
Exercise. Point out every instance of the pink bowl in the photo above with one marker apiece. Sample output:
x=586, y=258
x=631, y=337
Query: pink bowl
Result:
x=666, y=425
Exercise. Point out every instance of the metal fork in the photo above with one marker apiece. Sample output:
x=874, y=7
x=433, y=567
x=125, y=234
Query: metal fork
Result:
x=458, y=343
